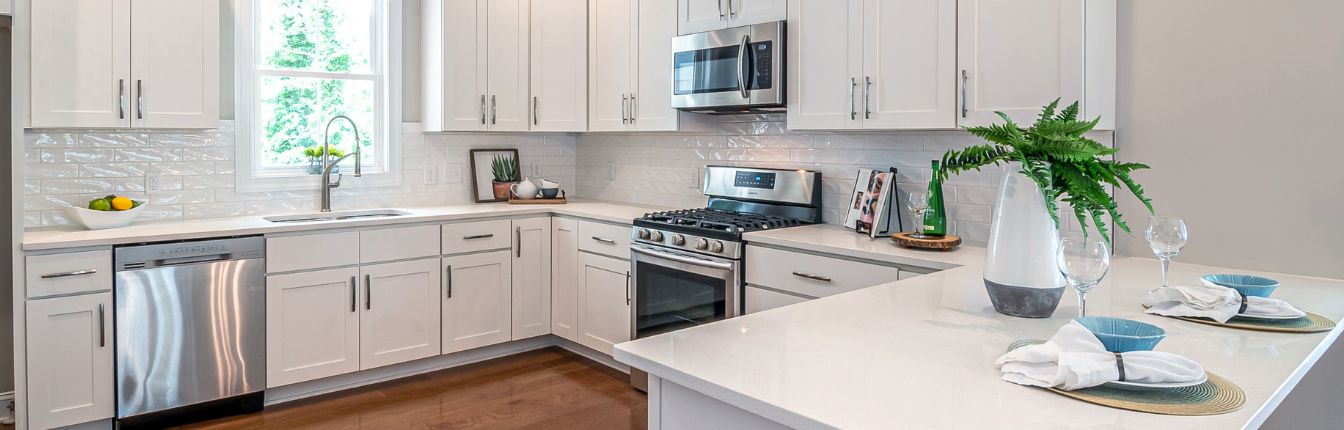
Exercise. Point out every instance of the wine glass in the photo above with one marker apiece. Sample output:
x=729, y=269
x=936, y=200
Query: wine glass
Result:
x=1166, y=237
x=918, y=202
x=1083, y=262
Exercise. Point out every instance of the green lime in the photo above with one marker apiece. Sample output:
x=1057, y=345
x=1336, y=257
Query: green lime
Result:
x=100, y=205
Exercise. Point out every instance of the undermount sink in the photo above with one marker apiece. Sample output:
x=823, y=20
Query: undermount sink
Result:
x=337, y=216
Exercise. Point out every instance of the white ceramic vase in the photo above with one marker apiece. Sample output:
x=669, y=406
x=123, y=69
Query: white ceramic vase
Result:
x=1020, y=271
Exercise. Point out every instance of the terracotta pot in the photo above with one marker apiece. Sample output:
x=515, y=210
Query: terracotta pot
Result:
x=502, y=189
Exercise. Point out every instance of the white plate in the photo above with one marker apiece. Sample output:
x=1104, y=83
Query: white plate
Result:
x=1139, y=386
x=1258, y=318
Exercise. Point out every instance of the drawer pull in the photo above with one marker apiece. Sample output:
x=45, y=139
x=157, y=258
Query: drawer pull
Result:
x=479, y=236
x=812, y=277
x=68, y=274
x=604, y=240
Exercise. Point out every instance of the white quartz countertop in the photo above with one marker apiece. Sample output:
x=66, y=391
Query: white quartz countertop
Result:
x=71, y=237
x=836, y=240
x=919, y=353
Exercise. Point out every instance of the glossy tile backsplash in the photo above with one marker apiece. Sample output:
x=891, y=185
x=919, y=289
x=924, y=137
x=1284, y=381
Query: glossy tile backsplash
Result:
x=196, y=172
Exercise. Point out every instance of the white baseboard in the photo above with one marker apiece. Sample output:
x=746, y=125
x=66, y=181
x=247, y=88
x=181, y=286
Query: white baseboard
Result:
x=333, y=384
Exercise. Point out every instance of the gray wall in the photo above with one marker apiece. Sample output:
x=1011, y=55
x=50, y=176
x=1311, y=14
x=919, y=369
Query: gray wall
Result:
x=1235, y=104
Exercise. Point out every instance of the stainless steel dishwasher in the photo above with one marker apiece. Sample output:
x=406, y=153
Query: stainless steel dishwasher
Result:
x=190, y=330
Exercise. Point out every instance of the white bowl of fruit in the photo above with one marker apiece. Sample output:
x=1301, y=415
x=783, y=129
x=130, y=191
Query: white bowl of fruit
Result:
x=106, y=212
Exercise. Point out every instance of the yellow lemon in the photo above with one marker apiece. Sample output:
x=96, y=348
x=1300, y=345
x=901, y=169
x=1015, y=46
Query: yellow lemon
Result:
x=122, y=203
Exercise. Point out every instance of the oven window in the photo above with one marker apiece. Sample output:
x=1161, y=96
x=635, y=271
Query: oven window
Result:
x=667, y=299
x=714, y=70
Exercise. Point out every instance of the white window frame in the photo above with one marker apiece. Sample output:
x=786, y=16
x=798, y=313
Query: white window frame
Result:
x=247, y=178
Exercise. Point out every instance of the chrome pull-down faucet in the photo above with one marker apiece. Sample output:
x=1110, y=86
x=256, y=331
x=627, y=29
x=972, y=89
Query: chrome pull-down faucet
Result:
x=327, y=185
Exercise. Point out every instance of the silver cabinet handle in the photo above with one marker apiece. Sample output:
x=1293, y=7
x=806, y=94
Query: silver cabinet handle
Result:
x=368, y=292
x=604, y=240
x=493, y=110
x=722, y=16
x=963, y=93
x=121, y=99
x=742, y=76
x=731, y=13
x=139, y=99
x=102, y=327
x=812, y=277
x=518, y=235
x=627, y=288
x=448, y=271
x=853, y=112
x=867, y=91
x=625, y=108
x=535, y=119
x=634, y=108
x=479, y=236
x=69, y=274
x=482, y=109
x=353, y=299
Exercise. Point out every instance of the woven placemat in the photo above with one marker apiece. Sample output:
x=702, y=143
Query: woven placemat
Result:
x=1312, y=323
x=1217, y=396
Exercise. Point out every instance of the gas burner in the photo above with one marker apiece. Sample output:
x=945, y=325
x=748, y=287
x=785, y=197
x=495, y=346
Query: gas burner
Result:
x=732, y=222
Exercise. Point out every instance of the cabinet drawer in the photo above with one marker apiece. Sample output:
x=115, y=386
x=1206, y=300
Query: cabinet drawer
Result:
x=477, y=236
x=71, y=273
x=311, y=251
x=606, y=239
x=760, y=299
x=812, y=275
x=387, y=244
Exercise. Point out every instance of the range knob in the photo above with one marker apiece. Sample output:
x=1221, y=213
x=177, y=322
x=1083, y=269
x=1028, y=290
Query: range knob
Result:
x=657, y=236
x=644, y=233
x=716, y=246
x=678, y=239
x=701, y=244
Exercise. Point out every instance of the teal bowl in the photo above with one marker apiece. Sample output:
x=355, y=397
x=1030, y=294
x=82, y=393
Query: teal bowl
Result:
x=1248, y=285
x=1122, y=335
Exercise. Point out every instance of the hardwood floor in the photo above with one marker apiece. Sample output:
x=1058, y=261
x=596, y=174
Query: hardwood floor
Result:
x=548, y=388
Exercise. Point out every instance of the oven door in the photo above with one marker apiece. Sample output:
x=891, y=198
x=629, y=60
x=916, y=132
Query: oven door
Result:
x=675, y=290
x=734, y=68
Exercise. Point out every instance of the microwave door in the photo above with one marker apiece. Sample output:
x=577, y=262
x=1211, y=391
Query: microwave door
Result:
x=731, y=68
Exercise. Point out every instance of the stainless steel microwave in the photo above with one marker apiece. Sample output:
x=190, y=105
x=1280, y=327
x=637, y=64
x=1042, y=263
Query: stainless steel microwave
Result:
x=738, y=69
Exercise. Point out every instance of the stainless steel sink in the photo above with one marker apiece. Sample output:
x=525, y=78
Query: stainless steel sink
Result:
x=337, y=216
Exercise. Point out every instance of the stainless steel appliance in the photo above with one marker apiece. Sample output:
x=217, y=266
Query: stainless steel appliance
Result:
x=733, y=70
x=687, y=264
x=190, y=329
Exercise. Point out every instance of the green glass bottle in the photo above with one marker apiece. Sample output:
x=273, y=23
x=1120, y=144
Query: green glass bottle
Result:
x=935, y=217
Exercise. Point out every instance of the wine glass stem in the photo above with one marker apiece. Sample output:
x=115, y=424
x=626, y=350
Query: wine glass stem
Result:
x=1082, y=303
x=1166, y=263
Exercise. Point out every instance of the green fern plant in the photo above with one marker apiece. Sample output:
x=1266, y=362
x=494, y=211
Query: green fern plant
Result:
x=504, y=168
x=1065, y=165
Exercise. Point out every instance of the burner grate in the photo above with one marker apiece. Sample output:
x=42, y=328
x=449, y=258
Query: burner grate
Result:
x=721, y=220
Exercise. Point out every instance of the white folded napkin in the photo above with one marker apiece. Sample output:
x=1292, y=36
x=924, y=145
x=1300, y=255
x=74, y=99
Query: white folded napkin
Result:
x=1215, y=302
x=1075, y=359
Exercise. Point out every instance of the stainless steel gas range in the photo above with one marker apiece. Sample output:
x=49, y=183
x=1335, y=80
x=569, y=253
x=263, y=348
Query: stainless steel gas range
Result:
x=687, y=264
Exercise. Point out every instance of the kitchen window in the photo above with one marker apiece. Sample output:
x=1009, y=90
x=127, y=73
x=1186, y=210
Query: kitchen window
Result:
x=301, y=63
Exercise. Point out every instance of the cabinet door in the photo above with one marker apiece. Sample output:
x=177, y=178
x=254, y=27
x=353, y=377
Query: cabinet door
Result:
x=565, y=278
x=611, y=38
x=825, y=56
x=476, y=304
x=1016, y=56
x=694, y=16
x=559, y=65
x=604, y=306
x=400, y=320
x=506, y=59
x=909, y=64
x=70, y=360
x=80, y=78
x=748, y=12
x=651, y=104
x=175, y=63
x=461, y=34
x=312, y=326
x=760, y=299
x=531, y=277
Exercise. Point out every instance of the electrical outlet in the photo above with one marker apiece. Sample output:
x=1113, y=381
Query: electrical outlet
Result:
x=611, y=170
x=431, y=174
x=152, y=182
x=452, y=174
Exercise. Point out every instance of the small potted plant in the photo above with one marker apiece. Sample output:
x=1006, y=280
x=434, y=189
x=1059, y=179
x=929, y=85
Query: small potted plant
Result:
x=1050, y=162
x=505, y=170
x=316, y=162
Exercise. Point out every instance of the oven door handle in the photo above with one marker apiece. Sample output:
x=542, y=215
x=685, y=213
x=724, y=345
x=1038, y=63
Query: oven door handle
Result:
x=686, y=260
x=742, y=72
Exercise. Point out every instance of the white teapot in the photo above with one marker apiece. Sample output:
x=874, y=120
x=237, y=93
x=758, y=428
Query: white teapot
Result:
x=526, y=189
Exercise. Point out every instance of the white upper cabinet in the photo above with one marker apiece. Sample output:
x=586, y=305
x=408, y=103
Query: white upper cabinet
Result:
x=630, y=65
x=559, y=65
x=825, y=60
x=1016, y=56
x=476, y=65
x=694, y=16
x=909, y=63
x=506, y=61
x=133, y=63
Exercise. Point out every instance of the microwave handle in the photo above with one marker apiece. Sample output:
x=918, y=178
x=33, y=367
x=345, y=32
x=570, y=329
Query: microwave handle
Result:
x=742, y=72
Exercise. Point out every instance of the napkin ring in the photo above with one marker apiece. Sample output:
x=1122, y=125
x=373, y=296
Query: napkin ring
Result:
x=1120, y=365
x=1243, y=302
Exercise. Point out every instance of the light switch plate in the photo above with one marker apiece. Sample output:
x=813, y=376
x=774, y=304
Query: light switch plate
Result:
x=452, y=174
x=611, y=170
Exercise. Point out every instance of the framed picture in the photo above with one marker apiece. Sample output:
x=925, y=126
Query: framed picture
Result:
x=492, y=172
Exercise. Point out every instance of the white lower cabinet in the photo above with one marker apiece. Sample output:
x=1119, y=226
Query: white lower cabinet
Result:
x=476, y=300
x=400, y=317
x=312, y=325
x=604, y=302
x=70, y=378
x=565, y=278
x=531, y=266
x=756, y=299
